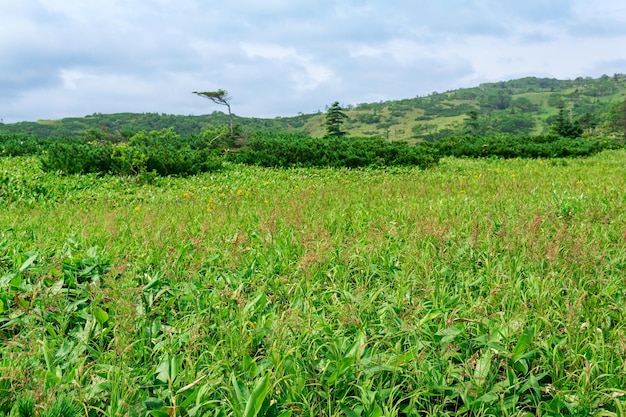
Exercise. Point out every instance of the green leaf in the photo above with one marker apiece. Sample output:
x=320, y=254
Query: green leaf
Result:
x=258, y=301
x=343, y=367
x=163, y=370
x=523, y=343
x=240, y=395
x=447, y=335
x=153, y=403
x=255, y=401
x=100, y=315
x=358, y=347
x=16, y=282
x=28, y=262
x=349, y=412
x=6, y=279
x=154, y=282
x=176, y=365
x=159, y=413
x=65, y=349
x=483, y=366
x=521, y=365
x=488, y=398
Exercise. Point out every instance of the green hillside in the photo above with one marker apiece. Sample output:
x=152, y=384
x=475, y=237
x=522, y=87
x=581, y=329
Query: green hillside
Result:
x=522, y=106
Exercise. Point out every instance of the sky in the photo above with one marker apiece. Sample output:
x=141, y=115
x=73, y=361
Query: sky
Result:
x=68, y=58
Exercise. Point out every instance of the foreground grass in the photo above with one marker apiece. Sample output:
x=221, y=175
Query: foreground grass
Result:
x=484, y=287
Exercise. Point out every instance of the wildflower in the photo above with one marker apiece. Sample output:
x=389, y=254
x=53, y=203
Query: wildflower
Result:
x=186, y=195
x=210, y=206
x=240, y=192
x=137, y=208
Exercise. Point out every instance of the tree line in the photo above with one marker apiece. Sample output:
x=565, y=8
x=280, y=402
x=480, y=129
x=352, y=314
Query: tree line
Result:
x=148, y=154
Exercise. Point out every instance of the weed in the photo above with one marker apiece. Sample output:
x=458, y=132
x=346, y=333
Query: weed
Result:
x=458, y=290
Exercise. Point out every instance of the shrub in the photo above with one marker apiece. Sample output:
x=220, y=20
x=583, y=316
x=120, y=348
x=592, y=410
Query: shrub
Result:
x=512, y=146
x=72, y=157
x=19, y=144
x=163, y=152
x=289, y=150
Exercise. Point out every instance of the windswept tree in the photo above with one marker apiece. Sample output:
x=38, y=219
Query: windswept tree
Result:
x=219, y=97
x=334, y=119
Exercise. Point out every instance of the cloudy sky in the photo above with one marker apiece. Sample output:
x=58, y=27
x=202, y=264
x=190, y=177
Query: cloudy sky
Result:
x=66, y=58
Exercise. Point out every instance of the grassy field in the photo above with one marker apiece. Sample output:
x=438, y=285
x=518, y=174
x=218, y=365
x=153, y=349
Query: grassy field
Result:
x=478, y=287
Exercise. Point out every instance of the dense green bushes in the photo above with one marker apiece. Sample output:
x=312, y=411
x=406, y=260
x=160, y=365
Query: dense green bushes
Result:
x=512, y=146
x=71, y=157
x=165, y=152
x=162, y=152
x=287, y=150
x=19, y=144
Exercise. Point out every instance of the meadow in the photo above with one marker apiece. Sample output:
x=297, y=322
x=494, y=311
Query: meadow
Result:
x=477, y=287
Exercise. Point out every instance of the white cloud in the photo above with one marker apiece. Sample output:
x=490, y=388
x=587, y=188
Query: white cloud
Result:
x=303, y=70
x=280, y=57
x=365, y=51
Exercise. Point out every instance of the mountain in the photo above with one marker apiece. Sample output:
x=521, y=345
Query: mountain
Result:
x=522, y=106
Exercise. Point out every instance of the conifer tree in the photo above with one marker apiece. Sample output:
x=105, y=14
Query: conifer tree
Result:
x=334, y=119
x=564, y=126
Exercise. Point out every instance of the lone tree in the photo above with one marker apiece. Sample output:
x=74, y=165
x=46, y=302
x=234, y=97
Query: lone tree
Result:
x=334, y=119
x=471, y=123
x=219, y=97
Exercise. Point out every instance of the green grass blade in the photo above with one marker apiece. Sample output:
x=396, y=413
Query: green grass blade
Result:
x=257, y=397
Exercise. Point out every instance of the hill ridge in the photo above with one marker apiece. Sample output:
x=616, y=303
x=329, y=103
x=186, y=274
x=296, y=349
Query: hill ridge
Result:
x=520, y=106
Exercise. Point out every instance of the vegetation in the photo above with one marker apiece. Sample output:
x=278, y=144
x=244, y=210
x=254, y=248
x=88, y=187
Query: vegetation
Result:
x=304, y=151
x=219, y=97
x=617, y=117
x=511, y=146
x=144, y=154
x=526, y=107
x=243, y=272
x=477, y=287
x=566, y=127
x=148, y=154
x=335, y=118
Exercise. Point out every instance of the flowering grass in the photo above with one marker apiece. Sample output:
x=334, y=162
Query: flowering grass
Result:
x=477, y=287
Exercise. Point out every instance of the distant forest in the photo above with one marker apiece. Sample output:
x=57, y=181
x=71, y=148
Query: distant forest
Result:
x=526, y=106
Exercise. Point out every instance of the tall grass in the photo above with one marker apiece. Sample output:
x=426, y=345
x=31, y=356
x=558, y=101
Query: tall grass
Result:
x=477, y=287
